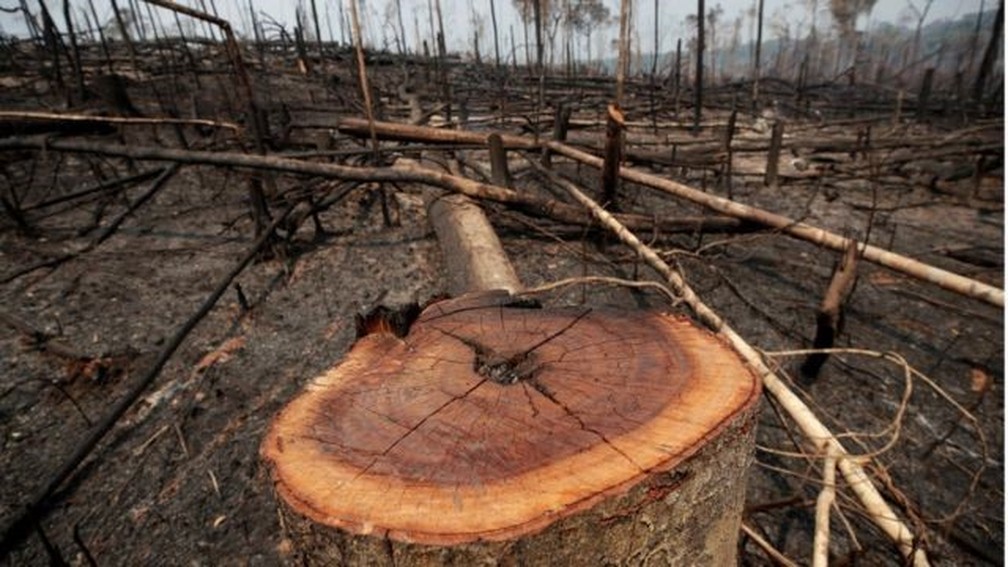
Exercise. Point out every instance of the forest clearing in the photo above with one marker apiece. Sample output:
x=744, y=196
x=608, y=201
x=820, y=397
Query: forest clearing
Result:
x=288, y=297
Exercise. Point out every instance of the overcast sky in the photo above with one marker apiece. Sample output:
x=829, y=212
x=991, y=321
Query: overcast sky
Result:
x=461, y=16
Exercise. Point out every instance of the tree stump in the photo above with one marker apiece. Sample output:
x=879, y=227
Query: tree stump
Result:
x=494, y=432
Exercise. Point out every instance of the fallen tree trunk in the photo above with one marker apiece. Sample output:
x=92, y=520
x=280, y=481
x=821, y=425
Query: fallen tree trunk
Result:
x=943, y=278
x=473, y=256
x=909, y=266
x=410, y=133
x=527, y=202
x=896, y=262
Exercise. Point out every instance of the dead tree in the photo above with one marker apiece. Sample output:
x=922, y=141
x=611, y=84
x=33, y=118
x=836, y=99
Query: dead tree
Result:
x=757, y=57
x=318, y=30
x=698, y=82
x=493, y=21
x=624, y=49
x=990, y=54
x=402, y=28
x=74, y=51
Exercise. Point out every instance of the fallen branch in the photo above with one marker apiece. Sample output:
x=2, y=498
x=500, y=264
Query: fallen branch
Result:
x=111, y=185
x=821, y=437
x=410, y=133
x=42, y=340
x=820, y=545
x=603, y=280
x=32, y=118
x=909, y=266
x=903, y=264
x=765, y=545
x=109, y=230
x=891, y=260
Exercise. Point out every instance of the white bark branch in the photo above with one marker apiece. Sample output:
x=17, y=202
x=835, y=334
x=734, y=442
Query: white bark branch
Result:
x=821, y=437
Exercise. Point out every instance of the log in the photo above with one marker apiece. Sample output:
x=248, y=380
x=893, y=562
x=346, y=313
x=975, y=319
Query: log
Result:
x=498, y=434
x=472, y=251
x=896, y=262
x=408, y=133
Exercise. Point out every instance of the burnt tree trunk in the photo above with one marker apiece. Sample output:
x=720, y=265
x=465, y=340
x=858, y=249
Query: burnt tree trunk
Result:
x=990, y=54
x=698, y=82
x=758, y=55
x=613, y=156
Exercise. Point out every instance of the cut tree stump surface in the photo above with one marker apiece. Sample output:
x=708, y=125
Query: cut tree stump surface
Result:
x=489, y=420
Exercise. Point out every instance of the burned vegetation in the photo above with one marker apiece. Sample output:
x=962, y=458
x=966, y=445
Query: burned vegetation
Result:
x=195, y=224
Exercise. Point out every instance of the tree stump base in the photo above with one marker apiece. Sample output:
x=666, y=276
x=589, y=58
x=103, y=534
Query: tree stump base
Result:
x=496, y=433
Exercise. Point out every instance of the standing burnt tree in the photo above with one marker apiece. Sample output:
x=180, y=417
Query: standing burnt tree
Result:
x=698, y=81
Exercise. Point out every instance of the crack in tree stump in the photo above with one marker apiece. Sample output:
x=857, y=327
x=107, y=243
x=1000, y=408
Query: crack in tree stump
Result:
x=494, y=433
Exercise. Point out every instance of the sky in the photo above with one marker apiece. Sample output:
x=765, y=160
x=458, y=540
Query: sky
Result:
x=461, y=17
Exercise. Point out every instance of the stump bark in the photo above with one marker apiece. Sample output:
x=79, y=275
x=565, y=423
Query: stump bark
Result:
x=498, y=433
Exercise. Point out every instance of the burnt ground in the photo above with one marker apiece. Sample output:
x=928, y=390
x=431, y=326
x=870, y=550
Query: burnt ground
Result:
x=179, y=481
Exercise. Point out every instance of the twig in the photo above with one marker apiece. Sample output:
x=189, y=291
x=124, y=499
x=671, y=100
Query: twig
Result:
x=83, y=547
x=213, y=481
x=143, y=446
x=770, y=550
x=181, y=440
x=897, y=359
x=604, y=280
x=894, y=427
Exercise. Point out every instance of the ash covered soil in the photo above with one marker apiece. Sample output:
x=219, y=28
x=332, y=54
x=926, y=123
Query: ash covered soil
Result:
x=178, y=480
